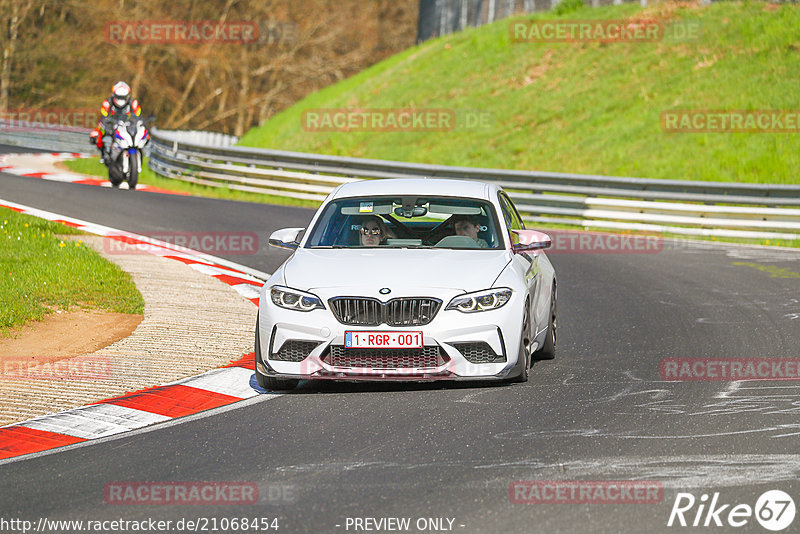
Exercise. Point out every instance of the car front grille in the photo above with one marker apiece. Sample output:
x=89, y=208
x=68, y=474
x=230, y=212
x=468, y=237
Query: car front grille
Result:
x=479, y=352
x=425, y=357
x=357, y=311
x=295, y=350
x=363, y=311
x=411, y=311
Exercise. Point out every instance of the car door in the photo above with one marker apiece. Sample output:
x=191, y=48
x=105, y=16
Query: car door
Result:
x=528, y=262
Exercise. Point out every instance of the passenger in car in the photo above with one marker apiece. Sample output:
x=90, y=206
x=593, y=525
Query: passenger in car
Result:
x=373, y=231
x=469, y=226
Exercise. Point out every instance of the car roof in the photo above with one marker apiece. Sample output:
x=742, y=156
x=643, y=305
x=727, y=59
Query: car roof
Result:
x=417, y=186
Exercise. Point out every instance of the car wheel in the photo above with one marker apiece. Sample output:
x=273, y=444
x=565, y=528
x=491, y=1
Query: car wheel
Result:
x=548, y=350
x=524, y=357
x=268, y=382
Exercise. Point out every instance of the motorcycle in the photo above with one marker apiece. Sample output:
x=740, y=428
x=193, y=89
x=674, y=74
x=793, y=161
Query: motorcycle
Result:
x=124, y=159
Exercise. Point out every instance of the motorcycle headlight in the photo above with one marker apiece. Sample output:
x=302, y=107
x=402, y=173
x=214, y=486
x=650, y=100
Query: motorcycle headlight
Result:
x=294, y=299
x=488, y=299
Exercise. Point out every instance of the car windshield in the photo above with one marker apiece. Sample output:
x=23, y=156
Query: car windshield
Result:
x=406, y=222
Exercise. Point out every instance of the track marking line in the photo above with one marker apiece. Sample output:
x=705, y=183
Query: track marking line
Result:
x=77, y=443
x=94, y=421
x=20, y=440
x=176, y=400
x=231, y=381
x=68, y=177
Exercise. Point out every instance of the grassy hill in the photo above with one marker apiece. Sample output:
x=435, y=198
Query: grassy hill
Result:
x=586, y=107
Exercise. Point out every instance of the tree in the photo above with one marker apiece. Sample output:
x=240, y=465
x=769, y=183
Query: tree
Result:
x=12, y=15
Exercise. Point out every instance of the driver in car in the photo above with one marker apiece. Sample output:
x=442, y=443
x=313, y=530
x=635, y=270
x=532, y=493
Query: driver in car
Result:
x=373, y=231
x=468, y=226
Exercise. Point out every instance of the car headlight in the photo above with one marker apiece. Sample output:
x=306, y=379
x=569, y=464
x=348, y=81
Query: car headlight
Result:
x=294, y=299
x=488, y=299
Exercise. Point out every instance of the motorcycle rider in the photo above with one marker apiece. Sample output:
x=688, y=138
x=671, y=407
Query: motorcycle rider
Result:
x=118, y=105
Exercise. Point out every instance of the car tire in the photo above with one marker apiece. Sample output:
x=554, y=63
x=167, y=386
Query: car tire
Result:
x=268, y=382
x=548, y=350
x=524, y=348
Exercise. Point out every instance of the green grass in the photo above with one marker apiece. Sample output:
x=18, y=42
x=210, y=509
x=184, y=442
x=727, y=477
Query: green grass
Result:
x=93, y=167
x=39, y=272
x=584, y=107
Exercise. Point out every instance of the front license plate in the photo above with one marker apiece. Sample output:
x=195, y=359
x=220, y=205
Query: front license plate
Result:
x=382, y=340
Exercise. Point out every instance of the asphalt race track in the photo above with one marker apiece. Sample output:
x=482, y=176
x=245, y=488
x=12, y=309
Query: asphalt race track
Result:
x=600, y=411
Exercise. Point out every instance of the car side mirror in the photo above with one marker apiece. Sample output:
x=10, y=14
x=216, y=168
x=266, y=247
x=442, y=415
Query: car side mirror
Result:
x=528, y=240
x=286, y=238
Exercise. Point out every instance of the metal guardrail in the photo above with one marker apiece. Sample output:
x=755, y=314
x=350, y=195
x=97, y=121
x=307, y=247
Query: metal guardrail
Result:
x=200, y=137
x=674, y=206
x=44, y=136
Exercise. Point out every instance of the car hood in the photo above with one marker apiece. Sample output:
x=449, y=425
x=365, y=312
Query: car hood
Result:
x=464, y=270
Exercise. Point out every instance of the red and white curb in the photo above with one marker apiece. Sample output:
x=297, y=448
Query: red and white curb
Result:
x=9, y=164
x=212, y=389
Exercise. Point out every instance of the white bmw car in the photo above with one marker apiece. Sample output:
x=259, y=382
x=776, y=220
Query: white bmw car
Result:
x=408, y=279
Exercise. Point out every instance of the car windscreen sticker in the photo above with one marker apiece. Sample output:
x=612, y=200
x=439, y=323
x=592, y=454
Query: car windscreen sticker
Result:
x=365, y=207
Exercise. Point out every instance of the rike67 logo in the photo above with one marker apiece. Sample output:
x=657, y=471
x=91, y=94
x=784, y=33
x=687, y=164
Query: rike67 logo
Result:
x=774, y=510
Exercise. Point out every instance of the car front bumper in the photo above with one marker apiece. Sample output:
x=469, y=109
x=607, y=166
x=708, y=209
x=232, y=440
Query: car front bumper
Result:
x=448, y=335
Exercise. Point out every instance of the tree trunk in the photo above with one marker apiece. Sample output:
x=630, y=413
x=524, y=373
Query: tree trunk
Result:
x=243, y=95
x=18, y=12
